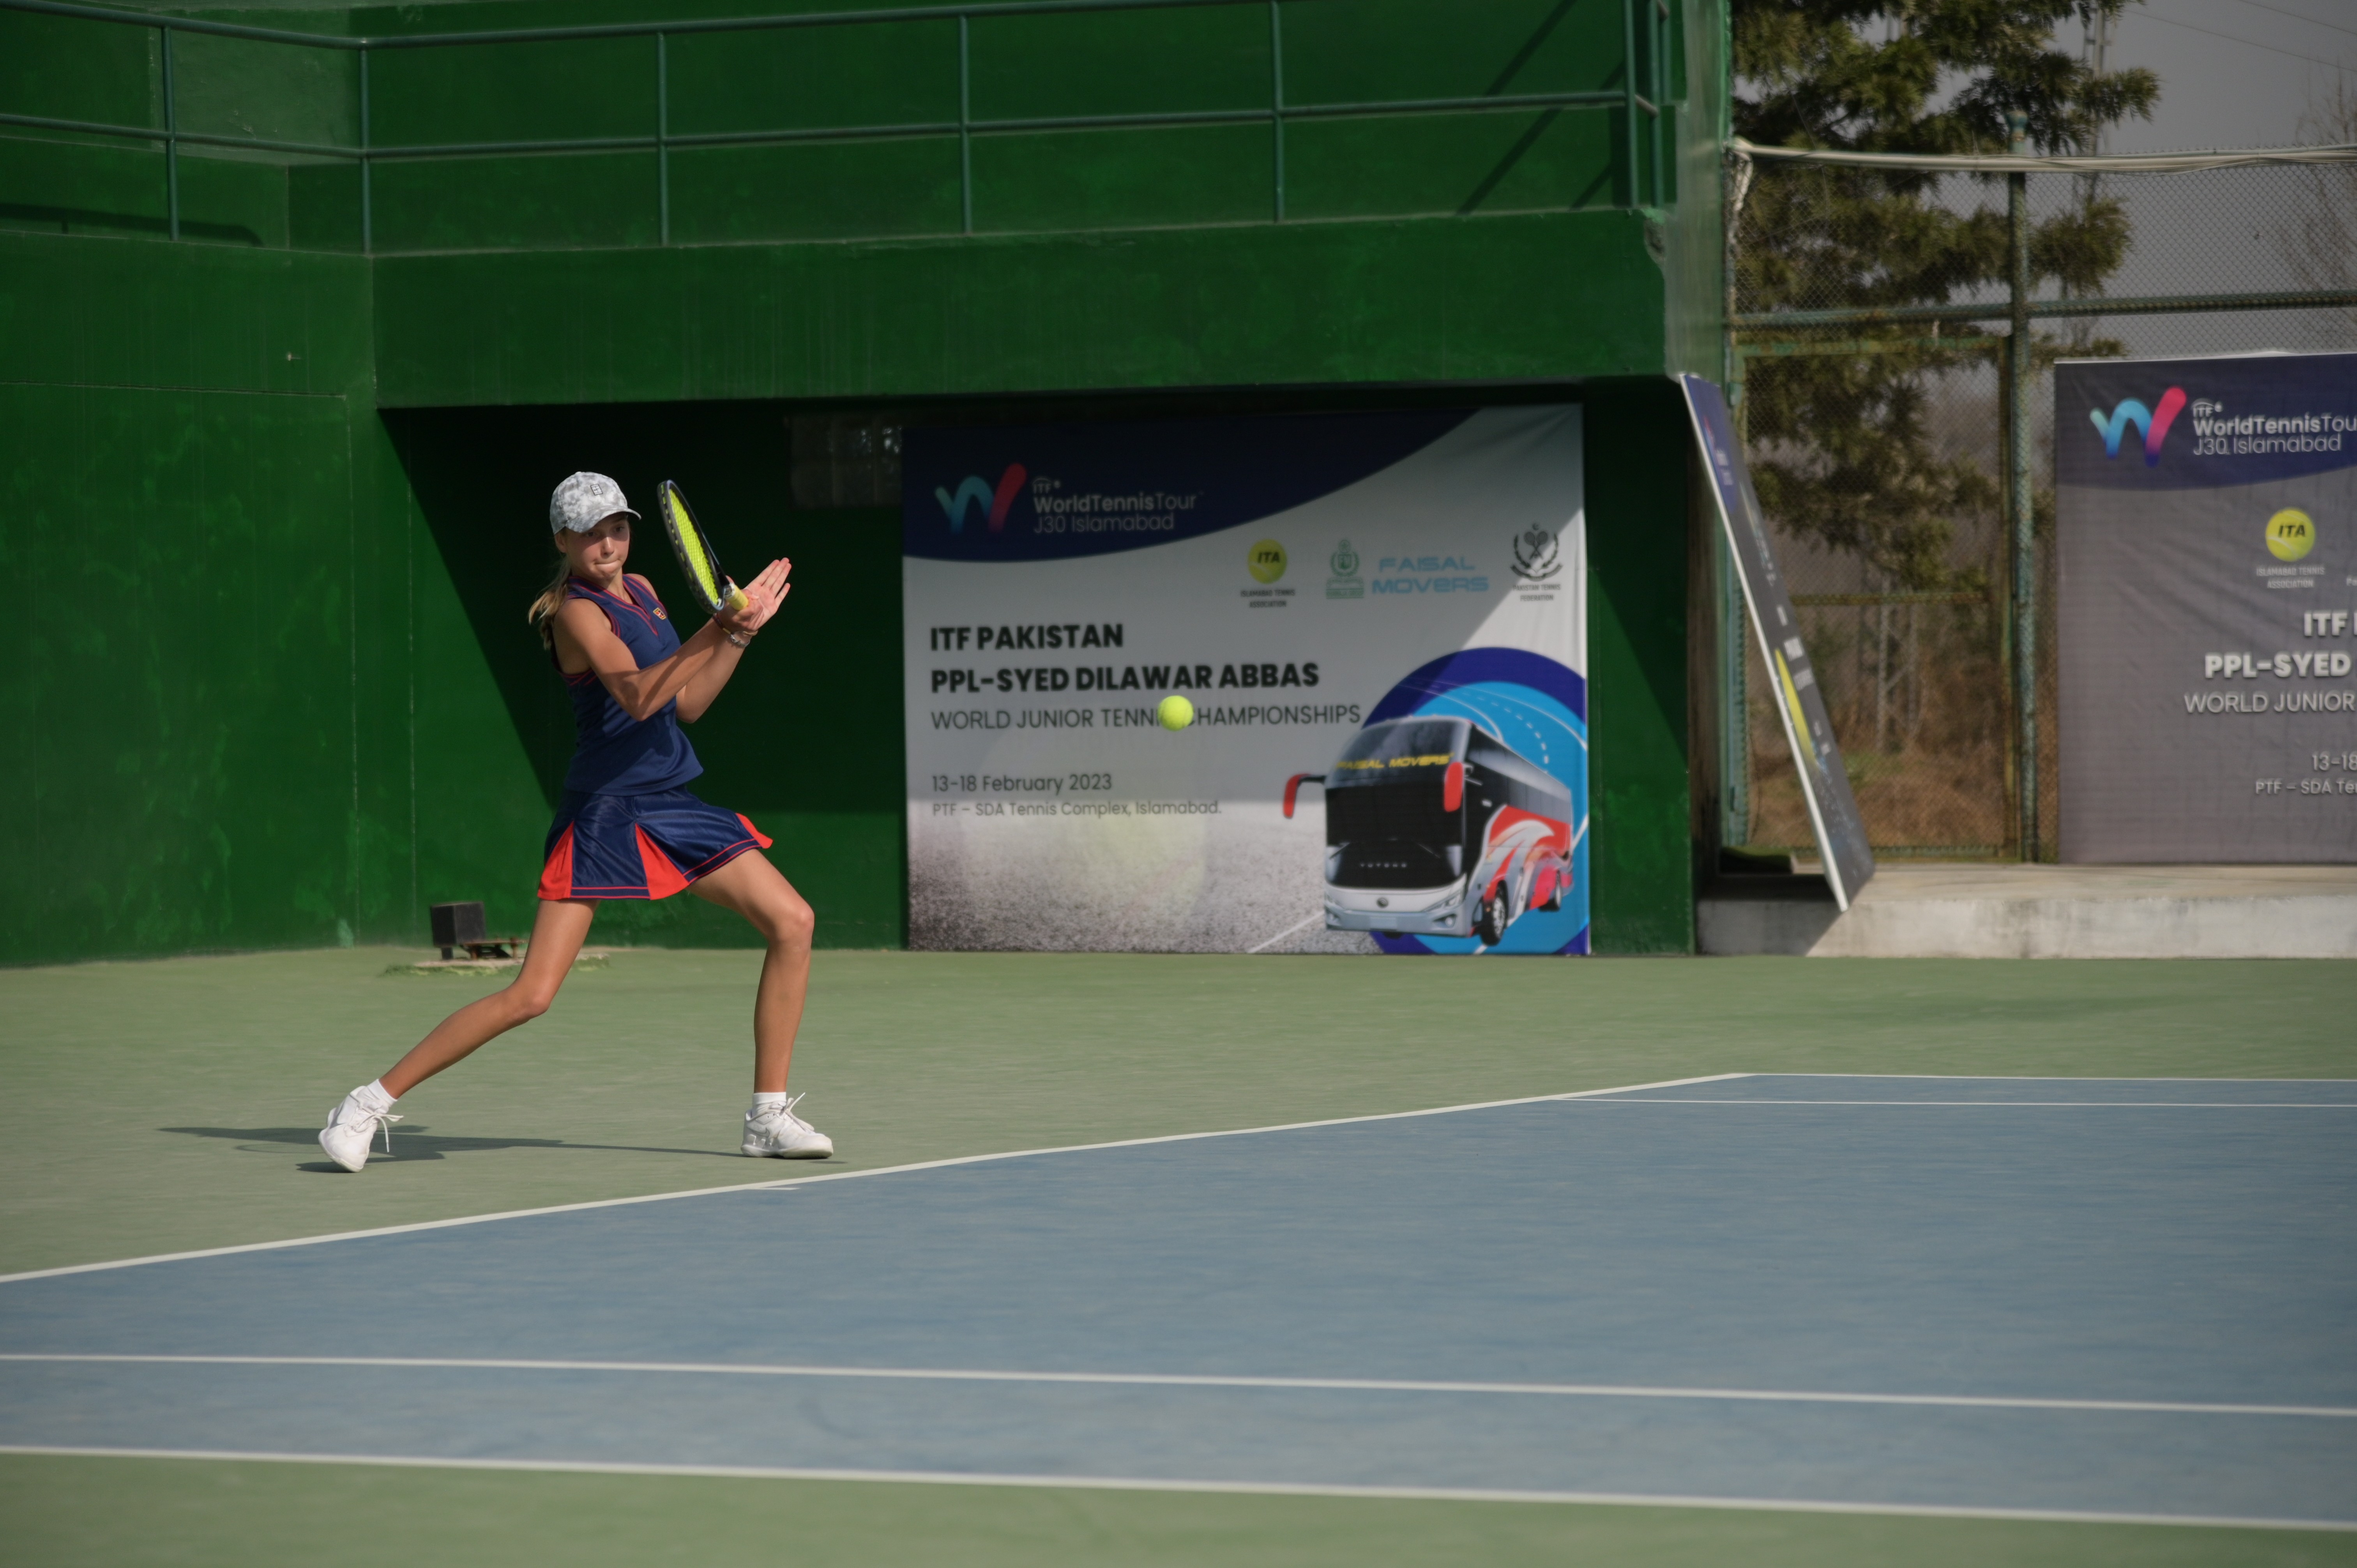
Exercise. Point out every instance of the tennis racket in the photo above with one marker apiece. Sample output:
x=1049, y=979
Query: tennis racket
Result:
x=701, y=566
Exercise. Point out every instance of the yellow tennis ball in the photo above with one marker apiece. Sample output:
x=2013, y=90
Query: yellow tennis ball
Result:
x=1175, y=712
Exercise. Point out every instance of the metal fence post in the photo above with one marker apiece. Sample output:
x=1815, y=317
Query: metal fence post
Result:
x=1276, y=106
x=2020, y=355
x=663, y=139
x=368, y=194
x=1734, y=634
x=965, y=129
x=1629, y=92
x=1657, y=15
x=171, y=143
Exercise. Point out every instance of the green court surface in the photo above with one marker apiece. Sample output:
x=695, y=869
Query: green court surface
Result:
x=287, y=1516
x=168, y=1106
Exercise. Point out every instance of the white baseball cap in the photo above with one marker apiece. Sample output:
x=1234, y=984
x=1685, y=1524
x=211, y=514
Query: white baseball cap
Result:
x=585, y=501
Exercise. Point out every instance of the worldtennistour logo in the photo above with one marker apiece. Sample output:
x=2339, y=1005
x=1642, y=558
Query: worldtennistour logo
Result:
x=975, y=492
x=2152, y=424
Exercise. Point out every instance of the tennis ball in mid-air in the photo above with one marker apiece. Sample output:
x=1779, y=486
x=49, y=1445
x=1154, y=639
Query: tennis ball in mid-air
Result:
x=1175, y=712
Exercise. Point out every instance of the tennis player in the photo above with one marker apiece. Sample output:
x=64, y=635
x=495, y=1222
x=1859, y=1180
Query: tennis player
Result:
x=628, y=829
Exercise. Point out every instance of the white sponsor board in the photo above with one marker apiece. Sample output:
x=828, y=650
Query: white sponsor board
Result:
x=1380, y=620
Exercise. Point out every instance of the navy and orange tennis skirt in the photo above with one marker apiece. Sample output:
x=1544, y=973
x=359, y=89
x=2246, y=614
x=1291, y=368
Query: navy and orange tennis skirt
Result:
x=639, y=846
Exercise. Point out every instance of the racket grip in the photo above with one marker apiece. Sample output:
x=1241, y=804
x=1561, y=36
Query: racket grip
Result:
x=735, y=601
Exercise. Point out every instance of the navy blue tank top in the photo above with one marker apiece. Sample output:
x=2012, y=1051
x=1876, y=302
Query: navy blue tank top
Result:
x=616, y=754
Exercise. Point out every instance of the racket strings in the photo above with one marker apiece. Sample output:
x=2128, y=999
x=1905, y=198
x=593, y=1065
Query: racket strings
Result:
x=694, y=555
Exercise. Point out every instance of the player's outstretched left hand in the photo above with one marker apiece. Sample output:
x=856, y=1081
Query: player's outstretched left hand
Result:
x=763, y=594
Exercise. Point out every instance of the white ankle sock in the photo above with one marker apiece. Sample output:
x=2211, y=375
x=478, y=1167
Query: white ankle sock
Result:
x=371, y=1097
x=763, y=1098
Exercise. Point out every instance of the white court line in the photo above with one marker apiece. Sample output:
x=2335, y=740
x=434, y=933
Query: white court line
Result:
x=2034, y=1078
x=2037, y=1104
x=1287, y=932
x=789, y=1182
x=1250, y=1488
x=1194, y=1381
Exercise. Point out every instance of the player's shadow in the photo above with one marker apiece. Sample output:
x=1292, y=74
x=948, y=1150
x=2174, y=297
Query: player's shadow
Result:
x=412, y=1145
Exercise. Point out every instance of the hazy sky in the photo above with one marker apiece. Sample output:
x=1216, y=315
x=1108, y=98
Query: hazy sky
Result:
x=2233, y=74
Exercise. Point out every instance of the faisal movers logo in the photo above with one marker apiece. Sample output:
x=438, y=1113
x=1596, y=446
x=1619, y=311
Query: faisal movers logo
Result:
x=2152, y=424
x=975, y=492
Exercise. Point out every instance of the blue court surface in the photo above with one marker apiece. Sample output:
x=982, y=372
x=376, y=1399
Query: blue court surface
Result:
x=2084, y=1298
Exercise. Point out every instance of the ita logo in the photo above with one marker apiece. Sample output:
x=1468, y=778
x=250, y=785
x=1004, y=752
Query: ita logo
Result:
x=1344, y=563
x=2291, y=533
x=1266, y=561
x=1536, y=557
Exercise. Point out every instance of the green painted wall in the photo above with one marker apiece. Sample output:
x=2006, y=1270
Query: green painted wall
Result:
x=1022, y=68
x=1637, y=706
x=312, y=479
x=891, y=73
x=79, y=70
x=168, y=701
x=209, y=743
x=1536, y=297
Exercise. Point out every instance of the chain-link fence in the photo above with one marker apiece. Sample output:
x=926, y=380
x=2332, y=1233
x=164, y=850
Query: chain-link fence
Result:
x=1876, y=428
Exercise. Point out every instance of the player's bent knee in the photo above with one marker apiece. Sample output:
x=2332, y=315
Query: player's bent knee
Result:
x=791, y=921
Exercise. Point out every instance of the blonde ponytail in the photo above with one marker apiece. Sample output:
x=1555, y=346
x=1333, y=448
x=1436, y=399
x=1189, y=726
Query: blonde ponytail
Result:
x=551, y=600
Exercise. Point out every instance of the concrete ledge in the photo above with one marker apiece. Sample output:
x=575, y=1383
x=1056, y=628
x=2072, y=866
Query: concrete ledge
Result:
x=2043, y=911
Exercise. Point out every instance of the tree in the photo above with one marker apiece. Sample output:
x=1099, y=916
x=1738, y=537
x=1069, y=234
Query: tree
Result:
x=2319, y=241
x=1842, y=451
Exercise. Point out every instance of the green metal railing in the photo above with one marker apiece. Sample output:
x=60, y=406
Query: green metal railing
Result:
x=1645, y=19
x=2038, y=310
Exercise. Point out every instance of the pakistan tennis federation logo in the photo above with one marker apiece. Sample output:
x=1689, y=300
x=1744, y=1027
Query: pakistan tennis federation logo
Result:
x=1344, y=584
x=1537, y=558
x=974, y=492
x=2152, y=424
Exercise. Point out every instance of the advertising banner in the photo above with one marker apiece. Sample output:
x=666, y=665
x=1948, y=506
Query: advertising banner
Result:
x=2206, y=533
x=1800, y=702
x=1283, y=684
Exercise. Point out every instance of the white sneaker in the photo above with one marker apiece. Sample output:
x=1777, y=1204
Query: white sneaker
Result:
x=776, y=1131
x=350, y=1129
